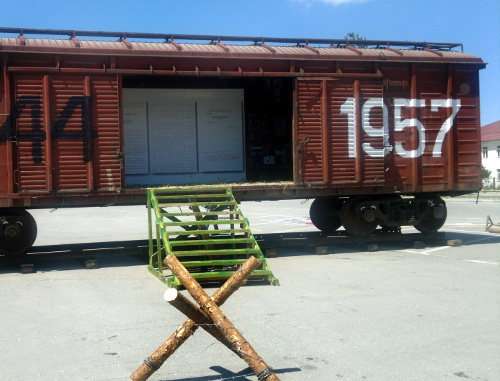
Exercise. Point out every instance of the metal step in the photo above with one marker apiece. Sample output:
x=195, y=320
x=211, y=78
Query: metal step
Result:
x=180, y=223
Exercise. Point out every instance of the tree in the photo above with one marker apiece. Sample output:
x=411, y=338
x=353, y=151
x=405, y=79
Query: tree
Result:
x=485, y=174
x=355, y=37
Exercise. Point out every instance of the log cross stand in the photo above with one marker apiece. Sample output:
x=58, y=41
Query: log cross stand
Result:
x=208, y=313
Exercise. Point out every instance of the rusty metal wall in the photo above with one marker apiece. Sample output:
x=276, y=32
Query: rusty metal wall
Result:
x=67, y=133
x=30, y=148
x=70, y=155
x=108, y=139
x=330, y=115
x=310, y=160
x=414, y=130
x=366, y=120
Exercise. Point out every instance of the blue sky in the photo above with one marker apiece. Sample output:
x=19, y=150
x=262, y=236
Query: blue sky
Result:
x=475, y=23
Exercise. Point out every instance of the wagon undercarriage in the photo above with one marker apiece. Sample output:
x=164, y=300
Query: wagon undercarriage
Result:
x=361, y=215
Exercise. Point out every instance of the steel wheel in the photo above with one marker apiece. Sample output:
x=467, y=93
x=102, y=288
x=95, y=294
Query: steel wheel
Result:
x=353, y=223
x=325, y=214
x=18, y=231
x=435, y=218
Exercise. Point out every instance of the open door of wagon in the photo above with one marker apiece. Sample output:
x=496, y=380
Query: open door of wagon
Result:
x=341, y=131
x=66, y=134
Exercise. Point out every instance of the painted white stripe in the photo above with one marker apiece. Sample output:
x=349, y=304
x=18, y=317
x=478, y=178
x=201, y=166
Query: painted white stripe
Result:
x=476, y=261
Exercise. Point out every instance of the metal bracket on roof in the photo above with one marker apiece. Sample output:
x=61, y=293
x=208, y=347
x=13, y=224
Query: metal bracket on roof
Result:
x=268, y=47
x=353, y=49
x=125, y=41
x=75, y=41
x=433, y=51
x=264, y=45
x=312, y=49
x=394, y=50
x=221, y=45
x=177, y=45
x=22, y=40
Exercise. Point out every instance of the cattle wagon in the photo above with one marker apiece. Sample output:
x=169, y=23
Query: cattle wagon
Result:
x=375, y=131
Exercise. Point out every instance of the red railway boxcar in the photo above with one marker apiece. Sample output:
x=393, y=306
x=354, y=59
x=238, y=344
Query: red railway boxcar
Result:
x=375, y=131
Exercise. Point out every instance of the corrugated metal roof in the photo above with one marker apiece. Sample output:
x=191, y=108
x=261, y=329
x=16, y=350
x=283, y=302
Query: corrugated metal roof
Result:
x=490, y=132
x=127, y=47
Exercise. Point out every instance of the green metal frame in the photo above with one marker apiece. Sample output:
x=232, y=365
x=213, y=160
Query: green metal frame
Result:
x=178, y=224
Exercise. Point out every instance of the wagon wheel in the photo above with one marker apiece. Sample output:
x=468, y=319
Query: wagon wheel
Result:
x=435, y=218
x=18, y=231
x=353, y=223
x=325, y=214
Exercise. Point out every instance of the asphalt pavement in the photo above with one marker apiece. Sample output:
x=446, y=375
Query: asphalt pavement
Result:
x=398, y=313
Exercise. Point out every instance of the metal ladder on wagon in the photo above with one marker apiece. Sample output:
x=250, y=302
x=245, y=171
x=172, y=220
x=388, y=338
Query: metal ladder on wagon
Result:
x=179, y=224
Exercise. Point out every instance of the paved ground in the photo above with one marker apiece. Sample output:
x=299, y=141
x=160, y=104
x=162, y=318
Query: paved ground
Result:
x=396, y=314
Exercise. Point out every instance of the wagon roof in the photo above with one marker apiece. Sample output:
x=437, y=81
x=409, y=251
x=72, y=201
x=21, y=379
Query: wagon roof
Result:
x=211, y=46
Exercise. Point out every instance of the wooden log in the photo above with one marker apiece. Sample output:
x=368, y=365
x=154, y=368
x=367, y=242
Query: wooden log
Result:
x=193, y=312
x=153, y=363
x=221, y=321
x=156, y=360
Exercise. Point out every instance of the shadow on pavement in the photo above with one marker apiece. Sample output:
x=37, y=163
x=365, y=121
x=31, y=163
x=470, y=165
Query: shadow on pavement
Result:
x=227, y=374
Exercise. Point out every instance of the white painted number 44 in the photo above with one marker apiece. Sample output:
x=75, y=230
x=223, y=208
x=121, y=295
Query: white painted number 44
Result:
x=399, y=125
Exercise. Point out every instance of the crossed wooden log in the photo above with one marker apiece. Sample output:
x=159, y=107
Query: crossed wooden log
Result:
x=208, y=316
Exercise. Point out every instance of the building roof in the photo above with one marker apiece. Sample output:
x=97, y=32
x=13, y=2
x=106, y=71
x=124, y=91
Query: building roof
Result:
x=490, y=132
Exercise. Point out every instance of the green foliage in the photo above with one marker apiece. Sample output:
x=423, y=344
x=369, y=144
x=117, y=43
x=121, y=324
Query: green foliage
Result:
x=485, y=174
x=355, y=37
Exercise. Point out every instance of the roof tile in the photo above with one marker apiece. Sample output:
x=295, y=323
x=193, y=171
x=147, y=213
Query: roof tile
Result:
x=490, y=132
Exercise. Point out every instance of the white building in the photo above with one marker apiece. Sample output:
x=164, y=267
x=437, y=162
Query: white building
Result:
x=490, y=143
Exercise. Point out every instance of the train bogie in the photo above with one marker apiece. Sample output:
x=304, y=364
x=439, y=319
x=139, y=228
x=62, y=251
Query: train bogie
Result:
x=361, y=215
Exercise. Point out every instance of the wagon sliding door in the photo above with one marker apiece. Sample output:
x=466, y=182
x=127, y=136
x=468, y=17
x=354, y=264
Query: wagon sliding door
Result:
x=67, y=130
x=340, y=131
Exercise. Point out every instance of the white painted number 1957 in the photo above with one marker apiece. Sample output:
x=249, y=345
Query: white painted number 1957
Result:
x=399, y=125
